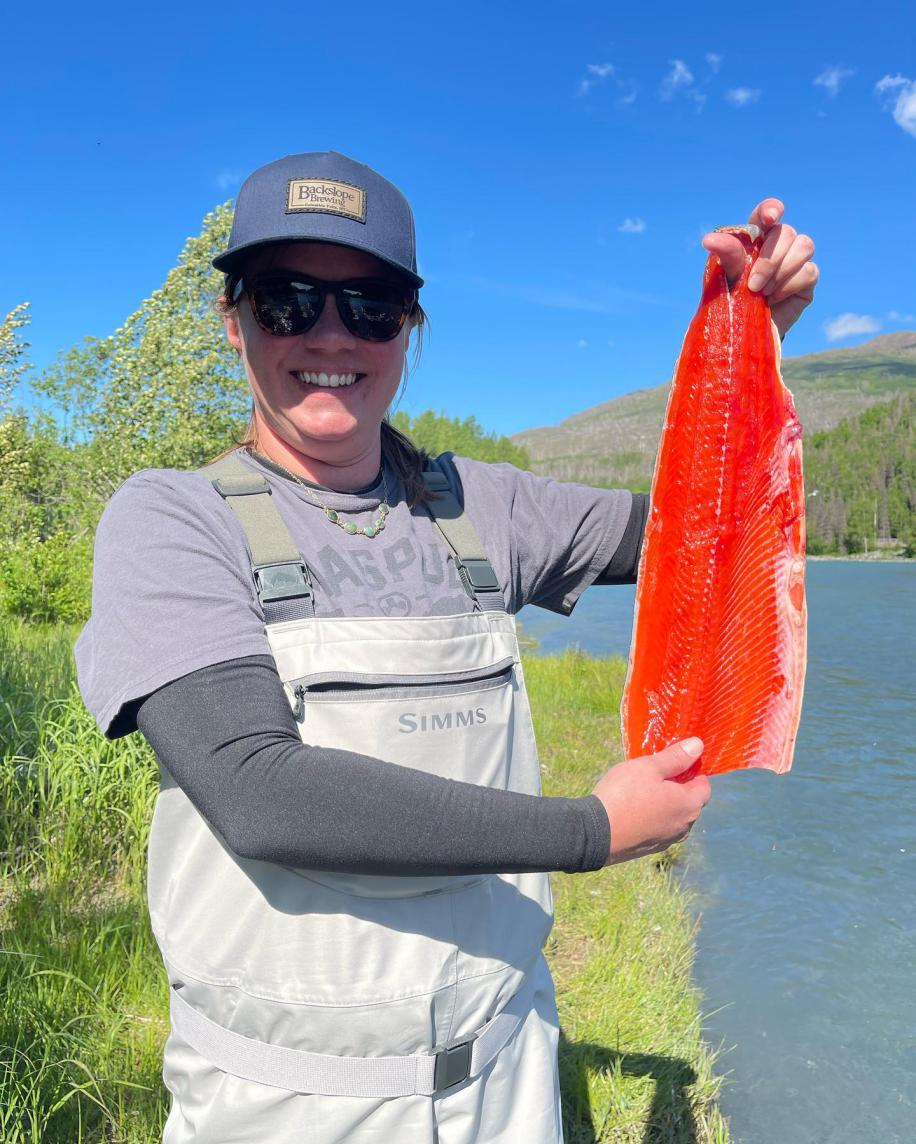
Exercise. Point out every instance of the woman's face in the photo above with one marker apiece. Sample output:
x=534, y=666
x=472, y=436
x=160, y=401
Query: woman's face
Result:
x=336, y=426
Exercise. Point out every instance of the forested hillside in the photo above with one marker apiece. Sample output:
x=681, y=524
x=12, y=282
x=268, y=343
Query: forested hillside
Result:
x=164, y=390
x=861, y=480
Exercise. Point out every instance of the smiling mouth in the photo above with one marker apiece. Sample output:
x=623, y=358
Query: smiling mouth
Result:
x=326, y=380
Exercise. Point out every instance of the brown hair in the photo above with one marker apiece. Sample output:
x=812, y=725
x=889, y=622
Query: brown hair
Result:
x=405, y=459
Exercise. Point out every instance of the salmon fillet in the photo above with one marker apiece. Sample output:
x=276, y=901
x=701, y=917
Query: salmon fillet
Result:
x=719, y=636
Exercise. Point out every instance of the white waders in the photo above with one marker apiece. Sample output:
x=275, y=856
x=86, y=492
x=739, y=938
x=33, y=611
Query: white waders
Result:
x=324, y=1008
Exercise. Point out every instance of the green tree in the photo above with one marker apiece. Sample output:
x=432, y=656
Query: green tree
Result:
x=163, y=390
x=437, y=433
x=13, y=347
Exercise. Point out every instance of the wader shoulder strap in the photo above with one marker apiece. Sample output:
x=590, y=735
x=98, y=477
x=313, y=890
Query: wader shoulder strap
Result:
x=281, y=576
x=460, y=535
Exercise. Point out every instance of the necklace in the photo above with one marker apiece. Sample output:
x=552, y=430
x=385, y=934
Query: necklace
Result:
x=349, y=526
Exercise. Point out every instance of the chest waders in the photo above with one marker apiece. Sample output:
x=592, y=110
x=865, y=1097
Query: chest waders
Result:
x=325, y=1008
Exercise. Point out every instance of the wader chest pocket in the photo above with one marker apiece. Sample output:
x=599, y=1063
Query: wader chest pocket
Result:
x=459, y=725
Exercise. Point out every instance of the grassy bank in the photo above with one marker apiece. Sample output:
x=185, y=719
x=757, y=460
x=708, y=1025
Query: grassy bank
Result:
x=82, y=993
x=632, y=1062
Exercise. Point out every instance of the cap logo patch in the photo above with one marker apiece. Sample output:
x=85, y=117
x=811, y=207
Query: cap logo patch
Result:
x=326, y=197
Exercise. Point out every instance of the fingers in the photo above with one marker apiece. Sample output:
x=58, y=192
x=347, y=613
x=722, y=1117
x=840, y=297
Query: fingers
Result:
x=678, y=757
x=783, y=253
x=802, y=283
x=767, y=213
x=700, y=786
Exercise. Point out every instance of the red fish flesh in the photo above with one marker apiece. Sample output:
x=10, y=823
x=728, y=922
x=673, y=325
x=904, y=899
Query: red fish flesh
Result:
x=719, y=632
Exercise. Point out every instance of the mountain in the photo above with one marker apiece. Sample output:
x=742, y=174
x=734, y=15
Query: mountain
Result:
x=614, y=444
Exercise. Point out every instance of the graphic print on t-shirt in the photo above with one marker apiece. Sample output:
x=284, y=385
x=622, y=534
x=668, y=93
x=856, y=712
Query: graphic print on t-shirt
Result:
x=392, y=576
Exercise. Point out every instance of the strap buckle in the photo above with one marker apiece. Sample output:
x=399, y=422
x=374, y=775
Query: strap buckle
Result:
x=287, y=580
x=453, y=1064
x=478, y=575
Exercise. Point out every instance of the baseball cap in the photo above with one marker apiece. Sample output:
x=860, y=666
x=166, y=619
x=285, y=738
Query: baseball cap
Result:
x=322, y=196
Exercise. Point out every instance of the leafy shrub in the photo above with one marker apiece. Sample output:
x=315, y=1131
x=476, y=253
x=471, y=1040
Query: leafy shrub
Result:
x=47, y=581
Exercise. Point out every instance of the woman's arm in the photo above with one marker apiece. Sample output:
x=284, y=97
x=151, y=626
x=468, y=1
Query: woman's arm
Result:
x=227, y=736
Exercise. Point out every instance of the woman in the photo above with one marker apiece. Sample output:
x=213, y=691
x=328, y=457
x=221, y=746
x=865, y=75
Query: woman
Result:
x=347, y=861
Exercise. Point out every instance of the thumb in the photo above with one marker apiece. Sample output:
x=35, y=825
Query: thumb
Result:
x=729, y=251
x=678, y=757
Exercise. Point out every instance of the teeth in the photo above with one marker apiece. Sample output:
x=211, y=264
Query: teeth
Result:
x=327, y=380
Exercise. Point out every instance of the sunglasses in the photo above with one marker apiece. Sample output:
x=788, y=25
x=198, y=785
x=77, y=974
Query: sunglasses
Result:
x=285, y=304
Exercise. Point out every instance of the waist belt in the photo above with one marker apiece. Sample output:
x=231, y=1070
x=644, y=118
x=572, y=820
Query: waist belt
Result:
x=423, y=1074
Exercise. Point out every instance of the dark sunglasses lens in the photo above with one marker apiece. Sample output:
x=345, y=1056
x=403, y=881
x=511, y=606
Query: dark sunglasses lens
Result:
x=375, y=311
x=285, y=307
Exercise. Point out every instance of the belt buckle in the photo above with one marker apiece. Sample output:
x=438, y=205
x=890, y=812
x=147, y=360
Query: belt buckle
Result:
x=453, y=1064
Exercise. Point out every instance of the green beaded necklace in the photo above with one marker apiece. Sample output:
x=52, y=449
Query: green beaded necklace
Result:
x=369, y=530
x=350, y=527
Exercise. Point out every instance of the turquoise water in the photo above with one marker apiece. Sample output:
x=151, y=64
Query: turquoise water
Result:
x=805, y=882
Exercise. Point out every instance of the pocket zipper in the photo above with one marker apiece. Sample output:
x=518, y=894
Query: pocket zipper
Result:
x=299, y=706
x=353, y=685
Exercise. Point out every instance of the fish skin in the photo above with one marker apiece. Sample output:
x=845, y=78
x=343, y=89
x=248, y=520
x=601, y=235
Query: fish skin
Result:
x=719, y=635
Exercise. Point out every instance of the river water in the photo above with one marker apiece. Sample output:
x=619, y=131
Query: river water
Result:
x=806, y=883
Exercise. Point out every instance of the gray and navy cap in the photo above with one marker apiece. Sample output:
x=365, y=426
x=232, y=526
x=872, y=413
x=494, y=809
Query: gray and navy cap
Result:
x=323, y=197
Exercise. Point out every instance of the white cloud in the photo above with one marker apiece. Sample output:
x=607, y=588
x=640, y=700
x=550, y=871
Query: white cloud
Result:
x=228, y=180
x=900, y=99
x=714, y=60
x=679, y=81
x=742, y=96
x=831, y=79
x=632, y=226
x=896, y=316
x=628, y=90
x=679, y=78
x=848, y=325
x=595, y=74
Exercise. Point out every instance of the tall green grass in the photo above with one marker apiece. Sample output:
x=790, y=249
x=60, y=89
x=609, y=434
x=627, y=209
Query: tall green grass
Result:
x=36, y=667
x=82, y=994
x=83, y=997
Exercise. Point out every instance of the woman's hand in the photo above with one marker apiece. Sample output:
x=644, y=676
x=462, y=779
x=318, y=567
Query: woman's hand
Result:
x=647, y=811
x=783, y=272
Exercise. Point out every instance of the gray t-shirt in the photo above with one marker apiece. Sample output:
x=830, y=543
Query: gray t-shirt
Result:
x=173, y=589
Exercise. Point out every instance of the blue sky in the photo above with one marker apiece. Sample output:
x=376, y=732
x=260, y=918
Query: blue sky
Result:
x=562, y=163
